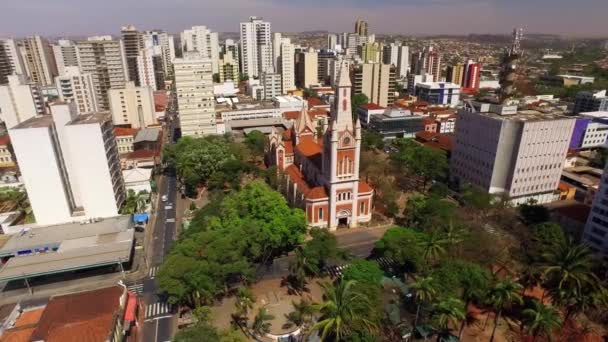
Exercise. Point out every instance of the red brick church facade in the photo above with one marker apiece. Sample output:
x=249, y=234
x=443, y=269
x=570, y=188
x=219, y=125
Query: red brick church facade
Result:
x=323, y=171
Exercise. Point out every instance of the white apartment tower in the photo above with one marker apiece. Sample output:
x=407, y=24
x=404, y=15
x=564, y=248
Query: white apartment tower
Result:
x=596, y=229
x=194, y=88
x=287, y=66
x=256, y=47
x=74, y=86
x=132, y=106
x=146, y=67
x=19, y=100
x=38, y=60
x=166, y=44
x=10, y=60
x=515, y=153
x=272, y=85
x=70, y=165
x=105, y=60
x=65, y=54
x=308, y=72
x=202, y=40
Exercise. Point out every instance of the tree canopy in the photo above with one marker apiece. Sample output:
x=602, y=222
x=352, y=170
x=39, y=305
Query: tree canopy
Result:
x=358, y=100
x=404, y=246
x=428, y=212
x=424, y=162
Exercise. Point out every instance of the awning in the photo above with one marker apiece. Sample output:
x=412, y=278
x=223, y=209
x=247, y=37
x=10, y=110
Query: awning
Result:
x=140, y=218
x=131, y=307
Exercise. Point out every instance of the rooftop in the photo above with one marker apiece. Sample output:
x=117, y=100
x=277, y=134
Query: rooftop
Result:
x=597, y=115
x=5, y=140
x=124, y=132
x=372, y=106
x=39, y=121
x=86, y=119
x=147, y=134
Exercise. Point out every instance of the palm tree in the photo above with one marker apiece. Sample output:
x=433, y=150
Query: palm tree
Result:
x=425, y=291
x=453, y=234
x=448, y=311
x=503, y=294
x=261, y=324
x=301, y=267
x=432, y=246
x=244, y=302
x=343, y=310
x=302, y=314
x=541, y=319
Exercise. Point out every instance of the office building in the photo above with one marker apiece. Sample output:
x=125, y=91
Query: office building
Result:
x=366, y=111
x=471, y=76
x=361, y=27
x=438, y=93
x=65, y=54
x=370, y=52
x=195, y=100
x=133, y=106
x=229, y=68
x=272, y=85
x=324, y=59
x=203, y=41
x=322, y=176
x=308, y=72
x=10, y=60
x=167, y=48
x=415, y=79
x=519, y=154
x=59, y=156
x=595, y=234
x=591, y=102
x=590, y=130
x=396, y=123
x=287, y=66
x=256, y=47
x=399, y=56
x=428, y=61
x=376, y=81
x=455, y=73
x=277, y=39
x=20, y=100
x=38, y=60
x=133, y=43
x=74, y=86
x=105, y=60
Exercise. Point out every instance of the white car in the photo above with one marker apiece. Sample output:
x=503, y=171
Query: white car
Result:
x=164, y=198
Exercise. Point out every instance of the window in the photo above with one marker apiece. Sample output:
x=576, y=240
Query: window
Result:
x=362, y=208
x=320, y=214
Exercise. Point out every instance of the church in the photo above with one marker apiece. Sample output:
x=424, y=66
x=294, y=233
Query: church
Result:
x=322, y=168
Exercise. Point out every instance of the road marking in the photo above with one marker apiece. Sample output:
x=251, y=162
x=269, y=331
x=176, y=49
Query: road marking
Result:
x=152, y=272
x=171, y=220
x=137, y=288
x=158, y=309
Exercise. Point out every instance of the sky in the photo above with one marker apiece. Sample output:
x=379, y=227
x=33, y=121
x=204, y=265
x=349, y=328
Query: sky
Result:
x=581, y=18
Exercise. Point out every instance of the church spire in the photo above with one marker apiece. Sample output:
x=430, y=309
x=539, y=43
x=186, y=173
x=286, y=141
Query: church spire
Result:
x=304, y=121
x=341, y=116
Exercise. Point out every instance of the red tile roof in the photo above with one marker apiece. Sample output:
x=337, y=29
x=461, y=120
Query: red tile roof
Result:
x=291, y=115
x=5, y=140
x=318, y=192
x=123, y=132
x=288, y=147
x=81, y=317
x=318, y=112
x=316, y=102
x=440, y=141
x=160, y=100
x=297, y=177
x=372, y=106
x=143, y=154
x=364, y=187
x=308, y=148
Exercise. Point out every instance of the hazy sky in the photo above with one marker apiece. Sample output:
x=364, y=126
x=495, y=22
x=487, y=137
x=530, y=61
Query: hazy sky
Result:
x=86, y=17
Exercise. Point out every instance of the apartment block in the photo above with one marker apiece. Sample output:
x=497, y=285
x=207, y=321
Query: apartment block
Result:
x=38, y=60
x=287, y=66
x=590, y=102
x=132, y=106
x=103, y=58
x=20, y=100
x=519, y=154
x=74, y=86
x=272, y=85
x=66, y=55
x=194, y=88
x=203, y=41
x=595, y=234
x=376, y=81
x=10, y=60
x=308, y=73
x=167, y=48
x=256, y=47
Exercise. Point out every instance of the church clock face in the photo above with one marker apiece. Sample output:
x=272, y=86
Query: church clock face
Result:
x=346, y=141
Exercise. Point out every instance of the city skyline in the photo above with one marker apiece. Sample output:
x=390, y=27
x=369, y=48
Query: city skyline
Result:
x=74, y=17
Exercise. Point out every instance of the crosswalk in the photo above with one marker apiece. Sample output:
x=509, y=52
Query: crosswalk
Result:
x=386, y=262
x=152, y=272
x=158, y=309
x=336, y=270
x=138, y=288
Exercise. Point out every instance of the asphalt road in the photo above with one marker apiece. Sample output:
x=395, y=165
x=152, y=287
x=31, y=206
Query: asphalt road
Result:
x=159, y=316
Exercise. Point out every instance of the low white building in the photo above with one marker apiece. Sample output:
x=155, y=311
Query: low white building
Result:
x=138, y=179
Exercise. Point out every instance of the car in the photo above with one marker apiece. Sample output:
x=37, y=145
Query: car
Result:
x=164, y=198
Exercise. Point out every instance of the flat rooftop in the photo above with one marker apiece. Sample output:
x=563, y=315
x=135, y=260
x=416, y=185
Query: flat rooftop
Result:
x=597, y=115
x=511, y=113
x=90, y=119
x=36, y=122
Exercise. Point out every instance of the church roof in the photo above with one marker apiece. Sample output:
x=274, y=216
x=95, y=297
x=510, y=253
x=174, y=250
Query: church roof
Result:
x=297, y=177
x=308, y=148
x=303, y=122
x=364, y=187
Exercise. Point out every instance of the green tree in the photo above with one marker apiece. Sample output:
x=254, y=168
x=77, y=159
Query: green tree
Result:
x=533, y=213
x=301, y=267
x=205, y=332
x=450, y=311
x=364, y=272
x=504, y=294
x=541, y=319
x=302, y=313
x=343, y=311
x=357, y=101
x=243, y=303
x=403, y=246
x=428, y=212
x=425, y=163
x=424, y=291
x=477, y=199
x=433, y=247
x=544, y=238
x=372, y=140
x=256, y=141
x=261, y=322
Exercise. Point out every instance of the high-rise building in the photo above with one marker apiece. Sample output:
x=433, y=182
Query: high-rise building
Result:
x=38, y=60
x=165, y=42
x=70, y=165
x=334, y=67
x=590, y=102
x=65, y=55
x=371, y=52
x=203, y=41
x=20, y=100
x=324, y=59
x=471, y=76
x=194, y=88
x=332, y=42
x=455, y=73
x=74, y=86
x=229, y=68
x=361, y=27
x=399, y=56
x=272, y=85
x=504, y=151
x=132, y=105
x=256, y=47
x=105, y=60
x=307, y=69
x=376, y=81
x=149, y=61
x=287, y=66
x=438, y=93
x=133, y=43
x=277, y=39
x=428, y=61
x=10, y=60
x=596, y=229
